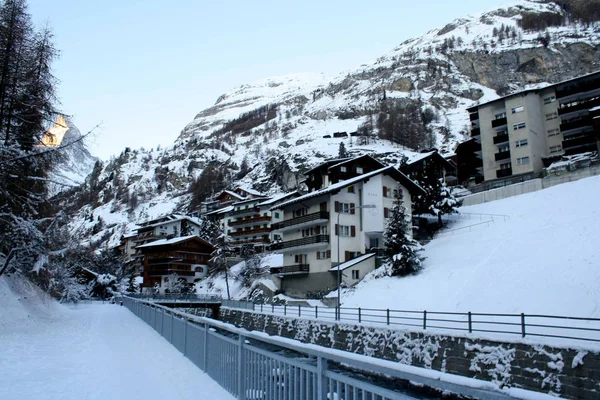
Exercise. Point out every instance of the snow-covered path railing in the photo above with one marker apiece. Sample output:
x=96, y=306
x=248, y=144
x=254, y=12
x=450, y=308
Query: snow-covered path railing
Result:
x=253, y=365
x=524, y=325
x=178, y=297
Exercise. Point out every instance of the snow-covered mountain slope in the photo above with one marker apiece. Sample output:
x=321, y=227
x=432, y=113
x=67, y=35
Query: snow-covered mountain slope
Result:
x=75, y=162
x=264, y=135
x=542, y=259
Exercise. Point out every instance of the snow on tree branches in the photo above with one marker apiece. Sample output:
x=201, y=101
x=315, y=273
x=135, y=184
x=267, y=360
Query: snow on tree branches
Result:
x=402, y=250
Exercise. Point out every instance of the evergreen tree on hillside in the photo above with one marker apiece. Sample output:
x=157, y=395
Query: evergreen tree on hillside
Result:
x=218, y=260
x=438, y=199
x=402, y=250
x=342, y=152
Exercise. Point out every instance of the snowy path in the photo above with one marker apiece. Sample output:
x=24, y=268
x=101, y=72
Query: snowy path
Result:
x=97, y=351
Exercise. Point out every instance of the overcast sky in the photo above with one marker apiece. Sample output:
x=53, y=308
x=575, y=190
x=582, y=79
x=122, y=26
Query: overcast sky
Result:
x=145, y=68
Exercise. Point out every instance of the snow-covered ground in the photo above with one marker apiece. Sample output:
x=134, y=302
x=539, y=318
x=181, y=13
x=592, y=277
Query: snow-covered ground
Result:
x=542, y=259
x=89, y=351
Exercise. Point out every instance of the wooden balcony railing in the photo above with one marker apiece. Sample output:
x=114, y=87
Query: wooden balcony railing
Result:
x=301, y=220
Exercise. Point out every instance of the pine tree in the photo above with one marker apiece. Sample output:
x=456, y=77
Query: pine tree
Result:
x=438, y=199
x=218, y=261
x=402, y=250
x=342, y=153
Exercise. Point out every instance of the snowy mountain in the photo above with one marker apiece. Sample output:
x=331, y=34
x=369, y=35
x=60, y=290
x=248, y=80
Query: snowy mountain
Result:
x=75, y=162
x=264, y=135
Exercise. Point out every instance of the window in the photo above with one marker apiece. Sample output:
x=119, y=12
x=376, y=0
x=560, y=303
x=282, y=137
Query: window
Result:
x=387, y=192
x=308, y=232
x=300, y=212
x=549, y=100
x=351, y=189
x=505, y=166
x=355, y=274
x=198, y=269
x=517, y=109
x=555, y=149
x=521, y=143
x=500, y=115
x=323, y=230
x=322, y=255
x=553, y=132
x=522, y=160
x=359, y=170
x=520, y=125
x=345, y=208
x=343, y=169
x=343, y=230
x=550, y=116
x=300, y=258
x=276, y=215
x=503, y=148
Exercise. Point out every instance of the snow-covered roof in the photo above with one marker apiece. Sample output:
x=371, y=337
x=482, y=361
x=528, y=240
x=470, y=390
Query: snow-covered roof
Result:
x=250, y=191
x=221, y=210
x=354, y=159
x=276, y=199
x=234, y=194
x=163, y=242
x=406, y=182
x=414, y=157
x=170, y=218
x=327, y=163
x=354, y=261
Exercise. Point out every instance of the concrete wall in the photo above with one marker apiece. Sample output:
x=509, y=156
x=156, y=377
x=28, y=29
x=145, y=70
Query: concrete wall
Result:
x=568, y=373
x=532, y=185
x=503, y=192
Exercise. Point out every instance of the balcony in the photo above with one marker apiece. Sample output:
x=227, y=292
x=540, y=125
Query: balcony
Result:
x=153, y=271
x=503, y=155
x=249, y=241
x=576, y=125
x=503, y=173
x=305, y=220
x=583, y=105
x=474, y=116
x=244, y=211
x=290, y=269
x=305, y=242
x=497, y=123
x=501, y=138
x=579, y=144
x=579, y=87
x=475, y=132
x=248, y=232
x=247, y=221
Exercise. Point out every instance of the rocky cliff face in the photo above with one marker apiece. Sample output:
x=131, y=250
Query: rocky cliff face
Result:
x=264, y=135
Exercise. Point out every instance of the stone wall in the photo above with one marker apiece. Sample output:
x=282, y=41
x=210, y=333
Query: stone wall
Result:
x=568, y=373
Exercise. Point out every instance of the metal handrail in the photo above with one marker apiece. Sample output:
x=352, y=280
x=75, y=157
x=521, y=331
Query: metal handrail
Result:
x=539, y=325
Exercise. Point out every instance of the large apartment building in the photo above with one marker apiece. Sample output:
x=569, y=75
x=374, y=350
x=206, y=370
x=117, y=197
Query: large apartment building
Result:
x=333, y=212
x=519, y=134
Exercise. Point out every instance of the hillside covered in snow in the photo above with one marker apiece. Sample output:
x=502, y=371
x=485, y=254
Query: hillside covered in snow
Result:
x=536, y=254
x=264, y=135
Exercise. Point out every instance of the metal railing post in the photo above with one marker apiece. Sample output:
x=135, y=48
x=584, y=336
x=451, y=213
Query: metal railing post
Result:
x=205, y=350
x=359, y=316
x=388, y=316
x=316, y=311
x=285, y=309
x=299, y=311
x=470, y=322
x=424, y=319
x=241, y=370
x=523, y=324
x=321, y=382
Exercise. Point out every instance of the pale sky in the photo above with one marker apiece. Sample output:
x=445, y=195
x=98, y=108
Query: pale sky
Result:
x=145, y=68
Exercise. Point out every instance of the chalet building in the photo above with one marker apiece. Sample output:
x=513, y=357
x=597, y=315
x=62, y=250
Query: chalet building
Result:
x=523, y=132
x=182, y=258
x=332, y=213
x=419, y=165
x=227, y=198
x=248, y=222
x=167, y=226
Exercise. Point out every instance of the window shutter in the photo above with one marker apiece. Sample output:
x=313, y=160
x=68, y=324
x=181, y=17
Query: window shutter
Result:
x=386, y=212
x=318, y=255
x=352, y=208
x=352, y=231
x=384, y=191
x=318, y=230
x=337, y=206
x=337, y=230
x=328, y=253
x=346, y=255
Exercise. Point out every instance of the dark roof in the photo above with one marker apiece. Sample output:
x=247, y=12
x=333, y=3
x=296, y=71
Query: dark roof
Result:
x=433, y=154
x=166, y=242
x=538, y=89
x=364, y=156
x=391, y=170
x=327, y=164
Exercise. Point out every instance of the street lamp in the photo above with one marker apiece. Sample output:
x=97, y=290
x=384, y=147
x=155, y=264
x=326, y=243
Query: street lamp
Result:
x=347, y=211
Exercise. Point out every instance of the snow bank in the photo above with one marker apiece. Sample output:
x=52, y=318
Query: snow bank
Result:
x=543, y=259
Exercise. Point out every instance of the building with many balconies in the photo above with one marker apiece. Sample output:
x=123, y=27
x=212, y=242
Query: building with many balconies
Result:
x=521, y=133
x=332, y=213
